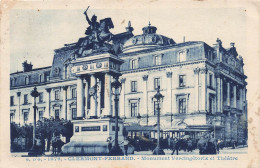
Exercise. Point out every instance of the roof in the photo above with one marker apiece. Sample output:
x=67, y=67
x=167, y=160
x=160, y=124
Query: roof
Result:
x=36, y=69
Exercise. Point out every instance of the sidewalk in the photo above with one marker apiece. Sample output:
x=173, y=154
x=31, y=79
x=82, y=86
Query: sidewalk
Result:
x=239, y=150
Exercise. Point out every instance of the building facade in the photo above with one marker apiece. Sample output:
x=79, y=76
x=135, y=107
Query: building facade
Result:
x=204, y=87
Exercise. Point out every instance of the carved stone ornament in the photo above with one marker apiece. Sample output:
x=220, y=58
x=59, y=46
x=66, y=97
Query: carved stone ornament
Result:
x=99, y=64
x=57, y=70
x=123, y=80
x=85, y=67
x=92, y=91
x=145, y=77
x=204, y=71
x=169, y=74
x=196, y=70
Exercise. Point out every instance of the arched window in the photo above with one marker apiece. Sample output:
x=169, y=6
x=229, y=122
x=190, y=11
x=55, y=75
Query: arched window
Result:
x=27, y=80
x=41, y=78
x=134, y=63
x=182, y=56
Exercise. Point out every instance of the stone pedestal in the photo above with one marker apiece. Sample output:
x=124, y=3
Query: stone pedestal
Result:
x=90, y=137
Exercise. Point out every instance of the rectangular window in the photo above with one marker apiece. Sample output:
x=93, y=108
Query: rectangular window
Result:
x=182, y=81
x=210, y=104
x=182, y=56
x=57, y=95
x=156, y=83
x=12, y=115
x=157, y=60
x=133, y=86
x=74, y=113
x=134, y=64
x=25, y=98
x=210, y=80
x=25, y=117
x=57, y=114
x=182, y=105
x=133, y=109
x=12, y=100
x=40, y=115
x=27, y=80
x=73, y=93
x=156, y=106
x=41, y=97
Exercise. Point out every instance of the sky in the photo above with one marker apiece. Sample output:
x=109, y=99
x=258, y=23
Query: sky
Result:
x=35, y=34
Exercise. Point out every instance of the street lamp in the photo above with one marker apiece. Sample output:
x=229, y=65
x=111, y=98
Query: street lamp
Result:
x=215, y=126
x=116, y=90
x=33, y=151
x=159, y=98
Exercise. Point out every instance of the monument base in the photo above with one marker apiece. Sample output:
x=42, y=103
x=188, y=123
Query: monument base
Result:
x=90, y=137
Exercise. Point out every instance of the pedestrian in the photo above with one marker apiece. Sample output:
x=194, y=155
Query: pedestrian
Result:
x=125, y=142
x=38, y=146
x=109, y=140
x=203, y=144
x=189, y=142
x=54, y=145
x=59, y=144
x=218, y=145
x=212, y=145
x=175, y=146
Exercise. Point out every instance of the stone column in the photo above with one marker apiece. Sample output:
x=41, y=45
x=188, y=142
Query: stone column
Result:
x=122, y=99
x=221, y=95
x=241, y=98
x=80, y=97
x=218, y=94
x=48, y=105
x=99, y=97
x=203, y=98
x=93, y=98
x=235, y=96
x=228, y=94
x=19, y=108
x=86, y=97
x=196, y=87
x=145, y=79
x=64, y=109
x=169, y=92
x=108, y=96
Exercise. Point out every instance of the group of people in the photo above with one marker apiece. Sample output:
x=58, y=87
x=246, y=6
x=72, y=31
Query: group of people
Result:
x=207, y=145
x=57, y=143
x=177, y=144
x=125, y=142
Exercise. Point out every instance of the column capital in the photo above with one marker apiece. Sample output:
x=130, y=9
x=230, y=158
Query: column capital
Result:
x=18, y=94
x=218, y=75
x=64, y=87
x=48, y=90
x=169, y=74
x=203, y=70
x=145, y=77
x=196, y=70
x=123, y=80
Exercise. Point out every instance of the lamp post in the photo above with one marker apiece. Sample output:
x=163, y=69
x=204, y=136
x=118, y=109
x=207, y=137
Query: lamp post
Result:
x=116, y=89
x=159, y=98
x=33, y=151
x=214, y=126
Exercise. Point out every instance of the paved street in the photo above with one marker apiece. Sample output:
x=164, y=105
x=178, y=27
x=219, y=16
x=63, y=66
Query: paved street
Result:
x=239, y=150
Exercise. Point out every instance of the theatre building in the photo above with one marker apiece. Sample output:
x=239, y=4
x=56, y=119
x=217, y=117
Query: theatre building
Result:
x=204, y=86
